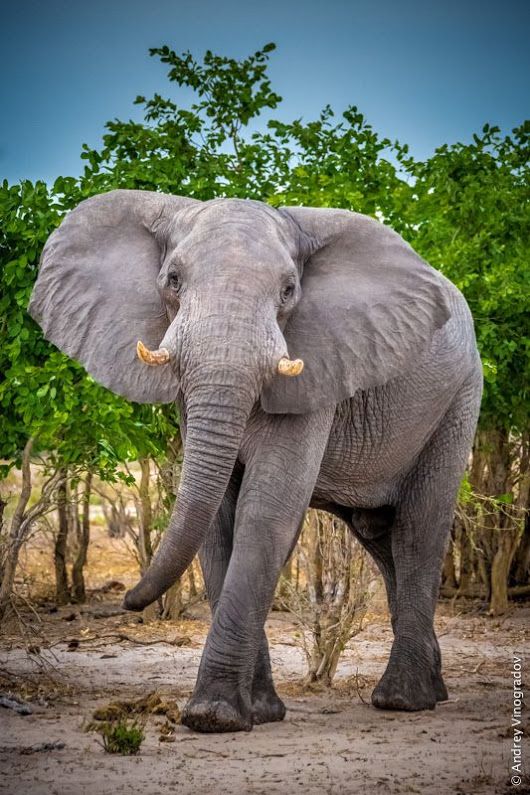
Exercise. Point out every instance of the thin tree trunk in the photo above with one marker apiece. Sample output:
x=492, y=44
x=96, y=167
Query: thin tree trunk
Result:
x=500, y=570
x=504, y=536
x=145, y=527
x=192, y=583
x=21, y=523
x=8, y=579
x=78, y=579
x=3, y=504
x=173, y=602
x=317, y=598
x=15, y=538
x=62, y=591
x=466, y=560
x=146, y=517
x=338, y=586
x=521, y=563
x=474, y=565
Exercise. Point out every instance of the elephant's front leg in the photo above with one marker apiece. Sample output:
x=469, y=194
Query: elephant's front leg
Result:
x=215, y=556
x=280, y=474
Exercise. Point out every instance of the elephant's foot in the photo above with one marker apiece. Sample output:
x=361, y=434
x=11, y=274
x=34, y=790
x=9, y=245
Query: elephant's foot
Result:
x=409, y=685
x=267, y=706
x=410, y=691
x=216, y=715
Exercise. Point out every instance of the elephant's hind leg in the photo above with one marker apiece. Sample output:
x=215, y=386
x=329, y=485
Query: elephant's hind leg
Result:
x=412, y=680
x=380, y=548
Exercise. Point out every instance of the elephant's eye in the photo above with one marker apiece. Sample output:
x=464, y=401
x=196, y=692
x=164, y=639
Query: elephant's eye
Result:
x=287, y=292
x=173, y=280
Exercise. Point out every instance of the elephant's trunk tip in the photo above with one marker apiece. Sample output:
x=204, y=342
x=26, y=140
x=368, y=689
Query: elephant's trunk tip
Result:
x=133, y=601
x=290, y=367
x=154, y=358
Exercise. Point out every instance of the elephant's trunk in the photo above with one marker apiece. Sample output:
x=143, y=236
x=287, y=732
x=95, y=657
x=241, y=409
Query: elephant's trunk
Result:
x=219, y=399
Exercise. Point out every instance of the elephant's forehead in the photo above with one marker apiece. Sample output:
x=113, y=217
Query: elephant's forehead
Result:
x=237, y=215
x=238, y=207
x=228, y=251
x=235, y=228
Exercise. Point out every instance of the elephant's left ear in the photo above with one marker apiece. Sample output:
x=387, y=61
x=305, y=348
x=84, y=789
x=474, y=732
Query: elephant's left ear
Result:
x=369, y=308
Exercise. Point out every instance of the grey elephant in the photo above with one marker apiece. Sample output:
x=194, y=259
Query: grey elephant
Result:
x=371, y=419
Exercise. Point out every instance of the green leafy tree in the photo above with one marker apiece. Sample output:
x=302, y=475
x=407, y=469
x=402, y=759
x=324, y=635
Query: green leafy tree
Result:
x=52, y=411
x=470, y=217
x=198, y=151
x=465, y=210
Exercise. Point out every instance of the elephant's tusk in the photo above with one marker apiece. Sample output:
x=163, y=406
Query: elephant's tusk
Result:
x=161, y=356
x=290, y=367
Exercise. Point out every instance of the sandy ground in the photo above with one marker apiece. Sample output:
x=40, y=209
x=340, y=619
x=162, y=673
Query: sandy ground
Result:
x=331, y=742
x=75, y=659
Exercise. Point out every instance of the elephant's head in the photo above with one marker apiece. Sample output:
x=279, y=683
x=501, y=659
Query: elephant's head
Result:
x=221, y=294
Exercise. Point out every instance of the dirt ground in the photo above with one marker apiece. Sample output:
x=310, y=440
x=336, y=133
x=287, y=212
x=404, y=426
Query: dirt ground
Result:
x=74, y=659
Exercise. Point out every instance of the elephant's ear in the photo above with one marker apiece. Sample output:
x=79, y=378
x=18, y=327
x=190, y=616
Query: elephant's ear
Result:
x=96, y=293
x=369, y=308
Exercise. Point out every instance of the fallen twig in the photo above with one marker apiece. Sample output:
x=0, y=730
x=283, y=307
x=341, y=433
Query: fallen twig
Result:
x=122, y=636
x=16, y=704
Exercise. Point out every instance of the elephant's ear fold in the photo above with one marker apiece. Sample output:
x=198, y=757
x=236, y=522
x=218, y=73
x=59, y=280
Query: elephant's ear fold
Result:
x=96, y=293
x=369, y=308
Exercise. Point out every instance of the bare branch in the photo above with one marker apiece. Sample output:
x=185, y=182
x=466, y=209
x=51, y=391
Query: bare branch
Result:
x=25, y=492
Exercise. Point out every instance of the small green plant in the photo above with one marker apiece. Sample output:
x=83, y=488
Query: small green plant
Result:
x=121, y=737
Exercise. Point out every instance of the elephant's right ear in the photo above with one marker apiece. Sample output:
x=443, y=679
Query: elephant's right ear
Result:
x=96, y=293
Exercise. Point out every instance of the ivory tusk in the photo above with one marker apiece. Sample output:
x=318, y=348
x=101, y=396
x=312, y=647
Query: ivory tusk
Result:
x=161, y=356
x=290, y=367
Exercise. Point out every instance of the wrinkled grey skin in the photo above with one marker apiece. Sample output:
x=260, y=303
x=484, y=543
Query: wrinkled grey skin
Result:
x=377, y=429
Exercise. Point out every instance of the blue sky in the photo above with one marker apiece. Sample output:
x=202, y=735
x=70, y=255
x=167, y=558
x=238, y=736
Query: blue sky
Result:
x=424, y=72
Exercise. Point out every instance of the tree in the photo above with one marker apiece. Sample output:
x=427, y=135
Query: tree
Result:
x=74, y=424
x=13, y=538
x=330, y=606
x=465, y=210
x=198, y=151
x=470, y=217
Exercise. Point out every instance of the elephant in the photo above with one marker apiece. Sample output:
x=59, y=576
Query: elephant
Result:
x=316, y=361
